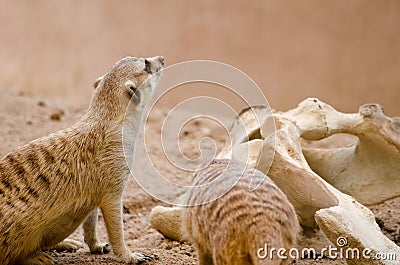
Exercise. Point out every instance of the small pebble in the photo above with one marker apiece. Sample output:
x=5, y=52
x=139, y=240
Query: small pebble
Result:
x=41, y=103
x=56, y=116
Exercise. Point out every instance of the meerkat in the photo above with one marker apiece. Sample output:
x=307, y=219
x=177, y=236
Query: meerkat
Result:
x=50, y=185
x=231, y=229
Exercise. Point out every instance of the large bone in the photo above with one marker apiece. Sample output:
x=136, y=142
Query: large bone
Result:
x=369, y=169
x=342, y=216
x=337, y=214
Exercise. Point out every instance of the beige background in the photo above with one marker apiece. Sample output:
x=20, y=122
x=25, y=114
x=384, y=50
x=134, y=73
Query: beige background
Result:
x=344, y=52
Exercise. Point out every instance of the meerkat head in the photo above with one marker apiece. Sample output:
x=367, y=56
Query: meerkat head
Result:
x=130, y=82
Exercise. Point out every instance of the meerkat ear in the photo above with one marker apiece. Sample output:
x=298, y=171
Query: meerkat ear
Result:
x=132, y=90
x=97, y=82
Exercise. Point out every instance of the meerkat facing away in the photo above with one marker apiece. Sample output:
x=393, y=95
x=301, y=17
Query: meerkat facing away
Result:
x=50, y=185
x=231, y=229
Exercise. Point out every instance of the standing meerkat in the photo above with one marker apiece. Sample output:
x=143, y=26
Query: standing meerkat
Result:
x=49, y=186
x=231, y=229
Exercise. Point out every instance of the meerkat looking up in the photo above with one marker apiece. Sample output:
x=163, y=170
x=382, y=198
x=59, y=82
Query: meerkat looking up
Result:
x=231, y=229
x=50, y=185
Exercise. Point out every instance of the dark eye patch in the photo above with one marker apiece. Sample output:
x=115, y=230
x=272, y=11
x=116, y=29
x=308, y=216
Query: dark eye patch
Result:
x=133, y=88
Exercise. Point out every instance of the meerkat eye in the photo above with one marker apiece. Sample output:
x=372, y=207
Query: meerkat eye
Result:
x=147, y=67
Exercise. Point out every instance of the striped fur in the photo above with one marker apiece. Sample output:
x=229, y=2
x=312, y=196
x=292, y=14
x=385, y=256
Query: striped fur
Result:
x=230, y=229
x=50, y=185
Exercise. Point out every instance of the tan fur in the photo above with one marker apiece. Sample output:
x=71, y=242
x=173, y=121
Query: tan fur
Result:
x=49, y=186
x=230, y=229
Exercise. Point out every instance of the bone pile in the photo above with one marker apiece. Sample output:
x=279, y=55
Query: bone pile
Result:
x=327, y=186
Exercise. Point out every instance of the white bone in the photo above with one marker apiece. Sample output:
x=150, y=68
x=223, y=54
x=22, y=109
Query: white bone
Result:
x=337, y=214
x=167, y=220
x=369, y=169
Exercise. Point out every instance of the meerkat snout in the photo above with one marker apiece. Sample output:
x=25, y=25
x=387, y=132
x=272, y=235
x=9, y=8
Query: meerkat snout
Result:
x=153, y=64
x=160, y=59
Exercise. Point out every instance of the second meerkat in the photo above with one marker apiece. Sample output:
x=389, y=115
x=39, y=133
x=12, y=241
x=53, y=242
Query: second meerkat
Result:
x=49, y=186
x=228, y=223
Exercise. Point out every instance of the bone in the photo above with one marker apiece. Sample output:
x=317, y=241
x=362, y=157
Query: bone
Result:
x=248, y=152
x=246, y=127
x=317, y=201
x=306, y=193
x=369, y=168
x=167, y=220
x=356, y=223
x=349, y=218
x=290, y=171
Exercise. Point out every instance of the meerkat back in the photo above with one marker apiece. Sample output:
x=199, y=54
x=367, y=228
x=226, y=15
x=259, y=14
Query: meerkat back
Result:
x=231, y=229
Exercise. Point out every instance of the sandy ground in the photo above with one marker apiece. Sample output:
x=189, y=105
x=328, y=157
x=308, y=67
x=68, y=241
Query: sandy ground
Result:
x=23, y=118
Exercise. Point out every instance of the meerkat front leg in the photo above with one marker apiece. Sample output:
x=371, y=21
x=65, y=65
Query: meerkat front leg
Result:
x=112, y=212
x=90, y=234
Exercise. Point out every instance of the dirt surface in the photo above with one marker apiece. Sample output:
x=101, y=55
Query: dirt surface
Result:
x=24, y=118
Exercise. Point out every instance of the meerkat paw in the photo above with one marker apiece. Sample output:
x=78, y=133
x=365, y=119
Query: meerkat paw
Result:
x=68, y=245
x=136, y=258
x=40, y=259
x=100, y=248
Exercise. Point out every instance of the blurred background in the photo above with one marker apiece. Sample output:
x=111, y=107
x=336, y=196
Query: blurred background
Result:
x=346, y=53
